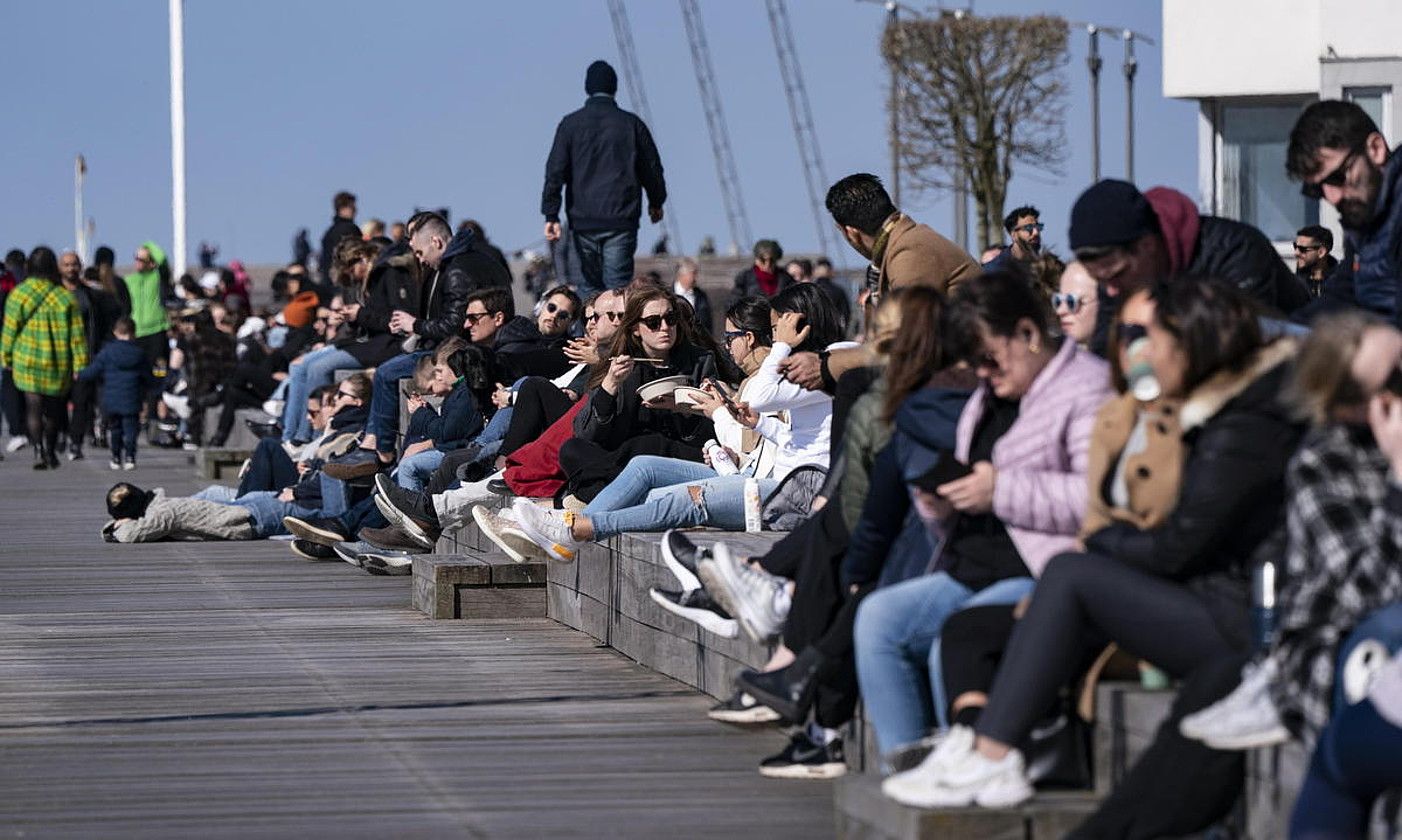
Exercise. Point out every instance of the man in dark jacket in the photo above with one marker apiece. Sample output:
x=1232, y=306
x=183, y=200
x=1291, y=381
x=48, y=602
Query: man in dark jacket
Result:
x=1313, y=262
x=763, y=278
x=1127, y=238
x=342, y=225
x=1339, y=155
x=603, y=157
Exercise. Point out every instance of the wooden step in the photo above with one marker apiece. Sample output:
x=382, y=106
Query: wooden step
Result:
x=478, y=585
x=219, y=464
x=863, y=812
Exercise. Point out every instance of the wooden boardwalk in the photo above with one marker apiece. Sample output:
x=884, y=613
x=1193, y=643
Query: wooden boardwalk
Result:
x=235, y=690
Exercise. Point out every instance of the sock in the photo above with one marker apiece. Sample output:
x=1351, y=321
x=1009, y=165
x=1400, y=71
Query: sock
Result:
x=821, y=735
x=967, y=716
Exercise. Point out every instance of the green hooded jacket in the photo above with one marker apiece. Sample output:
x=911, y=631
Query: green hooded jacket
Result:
x=147, y=310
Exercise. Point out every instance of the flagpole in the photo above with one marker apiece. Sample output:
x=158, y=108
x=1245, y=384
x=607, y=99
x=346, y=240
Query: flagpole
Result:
x=177, y=135
x=80, y=238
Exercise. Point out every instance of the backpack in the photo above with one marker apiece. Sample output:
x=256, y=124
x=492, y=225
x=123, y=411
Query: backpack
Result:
x=792, y=501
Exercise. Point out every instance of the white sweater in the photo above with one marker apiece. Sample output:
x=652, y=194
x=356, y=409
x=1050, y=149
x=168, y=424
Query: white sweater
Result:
x=806, y=438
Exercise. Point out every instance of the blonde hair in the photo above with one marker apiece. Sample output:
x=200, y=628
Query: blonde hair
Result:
x=1323, y=377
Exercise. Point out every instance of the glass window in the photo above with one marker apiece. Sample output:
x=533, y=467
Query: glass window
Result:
x=1375, y=100
x=1255, y=188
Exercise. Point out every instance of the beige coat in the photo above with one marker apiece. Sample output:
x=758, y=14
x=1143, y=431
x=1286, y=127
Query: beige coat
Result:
x=917, y=256
x=1151, y=476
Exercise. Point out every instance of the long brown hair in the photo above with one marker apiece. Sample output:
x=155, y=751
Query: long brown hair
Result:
x=918, y=349
x=625, y=343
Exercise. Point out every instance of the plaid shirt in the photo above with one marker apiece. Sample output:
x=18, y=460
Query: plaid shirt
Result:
x=1344, y=561
x=52, y=345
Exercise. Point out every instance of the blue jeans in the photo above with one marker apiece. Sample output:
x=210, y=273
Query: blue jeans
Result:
x=1384, y=626
x=898, y=653
x=413, y=472
x=313, y=370
x=605, y=259
x=632, y=502
x=1358, y=758
x=384, y=399
x=217, y=493
x=267, y=511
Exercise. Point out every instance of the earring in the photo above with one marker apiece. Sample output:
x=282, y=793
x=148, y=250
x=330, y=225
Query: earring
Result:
x=1033, y=347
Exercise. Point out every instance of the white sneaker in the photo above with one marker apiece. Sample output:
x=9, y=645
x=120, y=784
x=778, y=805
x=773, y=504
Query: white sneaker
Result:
x=16, y=444
x=901, y=786
x=750, y=594
x=114, y=465
x=1247, y=727
x=1255, y=683
x=507, y=534
x=274, y=407
x=549, y=529
x=129, y=465
x=959, y=778
x=179, y=403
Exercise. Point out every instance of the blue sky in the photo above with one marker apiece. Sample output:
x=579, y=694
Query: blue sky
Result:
x=431, y=102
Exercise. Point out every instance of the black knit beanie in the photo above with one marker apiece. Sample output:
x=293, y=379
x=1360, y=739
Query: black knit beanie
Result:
x=1110, y=212
x=600, y=78
x=127, y=501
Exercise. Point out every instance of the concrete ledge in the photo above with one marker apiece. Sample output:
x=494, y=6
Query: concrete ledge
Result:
x=478, y=585
x=863, y=813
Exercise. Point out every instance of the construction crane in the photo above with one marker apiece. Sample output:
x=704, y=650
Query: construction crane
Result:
x=633, y=80
x=814, y=177
x=739, y=222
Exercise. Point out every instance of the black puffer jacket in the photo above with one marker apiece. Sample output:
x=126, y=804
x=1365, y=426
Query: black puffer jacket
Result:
x=610, y=420
x=603, y=157
x=1230, y=513
x=393, y=284
x=1243, y=256
x=464, y=268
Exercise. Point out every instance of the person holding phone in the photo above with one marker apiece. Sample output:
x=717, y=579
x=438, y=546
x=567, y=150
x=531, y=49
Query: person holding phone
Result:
x=1007, y=499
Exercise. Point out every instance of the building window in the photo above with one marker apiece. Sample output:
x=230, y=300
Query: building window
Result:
x=1255, y=188
x=1377, y=101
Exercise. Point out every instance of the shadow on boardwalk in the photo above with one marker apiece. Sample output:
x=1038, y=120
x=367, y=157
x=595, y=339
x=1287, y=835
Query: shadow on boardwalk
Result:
x=232, y=689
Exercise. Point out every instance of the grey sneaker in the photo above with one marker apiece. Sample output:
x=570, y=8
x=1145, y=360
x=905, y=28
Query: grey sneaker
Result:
x=502, y=529
x=757, y=599
x=352, y=551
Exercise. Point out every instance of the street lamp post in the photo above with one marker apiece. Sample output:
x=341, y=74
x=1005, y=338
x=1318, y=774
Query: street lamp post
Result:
x=1131, y=67
x=1094, y=62
x=177, y=135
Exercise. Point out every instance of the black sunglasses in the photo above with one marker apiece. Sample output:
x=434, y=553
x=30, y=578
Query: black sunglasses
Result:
x=348, y=395
x=615, y=317
x=1031, y=227
x=474, y=317
x=1300, y=249
x=1337, y=178
x=1072, y=301
x=552, y=309
x=654, y=322
x=731, y=335
x=1130, y=333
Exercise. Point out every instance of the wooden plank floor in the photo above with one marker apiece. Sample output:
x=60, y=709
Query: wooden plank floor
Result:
x=235, y=690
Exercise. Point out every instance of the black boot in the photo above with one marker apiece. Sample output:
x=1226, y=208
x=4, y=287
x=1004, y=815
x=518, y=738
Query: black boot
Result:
x=788, y=691
x=41, y=461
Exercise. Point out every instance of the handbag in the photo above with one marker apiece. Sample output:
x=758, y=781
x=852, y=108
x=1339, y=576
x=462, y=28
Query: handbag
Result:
x=1057, y=750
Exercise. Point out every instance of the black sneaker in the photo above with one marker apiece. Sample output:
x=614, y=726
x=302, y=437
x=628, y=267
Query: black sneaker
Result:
x=803, y=759
x=392, y=539
x=264, y=428
x=312, y=551
x=322, y=530
x=408, y=511
x=681, y=556
x=695, y=605
x=742, y=708
x=500, y=487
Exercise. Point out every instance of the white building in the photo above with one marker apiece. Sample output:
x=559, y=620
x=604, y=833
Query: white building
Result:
x=1252, y=65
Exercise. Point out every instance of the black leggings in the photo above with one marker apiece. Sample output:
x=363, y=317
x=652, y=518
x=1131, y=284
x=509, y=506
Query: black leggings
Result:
x=44, y=417
x=539, y=404
x=1178, y=786
x=80, y=426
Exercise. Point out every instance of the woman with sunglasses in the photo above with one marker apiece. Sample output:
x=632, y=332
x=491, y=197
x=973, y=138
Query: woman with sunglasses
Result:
x=657, y=493
x=1022, y=440
x=1176, y=594
x=1077, y=304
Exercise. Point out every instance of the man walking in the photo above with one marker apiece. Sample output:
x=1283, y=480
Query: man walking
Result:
x=1313, y=262
x=604, y=158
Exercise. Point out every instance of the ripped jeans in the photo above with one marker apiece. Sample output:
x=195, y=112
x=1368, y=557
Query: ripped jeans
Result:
x=655, y=493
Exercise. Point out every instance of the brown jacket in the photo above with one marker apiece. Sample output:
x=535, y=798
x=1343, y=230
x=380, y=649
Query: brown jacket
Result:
x=1151, y=476
x=917, y=256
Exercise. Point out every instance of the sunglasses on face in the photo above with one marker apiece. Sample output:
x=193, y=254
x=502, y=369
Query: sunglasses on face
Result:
x=552, y=309
x=1304, y=249
x=654, y=322
x=1337, y=178
x=1072, y=301
x=474, y=317
x=1130, y=333
x=731, y=335
x=1031, y=227
x=614, y=317
x=348, y=395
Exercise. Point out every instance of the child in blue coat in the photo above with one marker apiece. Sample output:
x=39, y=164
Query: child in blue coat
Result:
x=125, y=371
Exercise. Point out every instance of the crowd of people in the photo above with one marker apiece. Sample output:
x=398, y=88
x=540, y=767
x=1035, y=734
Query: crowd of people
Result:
x=998, y=480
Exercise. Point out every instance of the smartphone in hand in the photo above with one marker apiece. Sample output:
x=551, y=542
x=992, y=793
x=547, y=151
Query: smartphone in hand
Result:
x=946, y=469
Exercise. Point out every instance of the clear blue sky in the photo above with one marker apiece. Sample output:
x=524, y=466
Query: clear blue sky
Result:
x=434, y=102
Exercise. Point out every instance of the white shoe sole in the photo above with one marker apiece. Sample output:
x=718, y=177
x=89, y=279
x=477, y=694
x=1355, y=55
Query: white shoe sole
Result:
x=758, y=713
x=831, y=770
x=718, y=583
x=515, y=545
x=404, y=523
x=726, y=628
x=311, y=533
x=1248, y=740
x=685, y=577
x=559, y=552
x=353, y=559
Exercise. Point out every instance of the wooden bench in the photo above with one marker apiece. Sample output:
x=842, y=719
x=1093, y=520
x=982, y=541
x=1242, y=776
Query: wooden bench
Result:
x=219, y=464
x=478, y=585
x=862, y=811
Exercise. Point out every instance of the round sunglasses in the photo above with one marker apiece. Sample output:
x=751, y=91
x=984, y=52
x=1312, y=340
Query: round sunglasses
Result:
x=1072, y=301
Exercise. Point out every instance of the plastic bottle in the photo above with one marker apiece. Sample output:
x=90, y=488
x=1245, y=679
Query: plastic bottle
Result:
x=1263, y=605
x=721, y=461
x=753, y=521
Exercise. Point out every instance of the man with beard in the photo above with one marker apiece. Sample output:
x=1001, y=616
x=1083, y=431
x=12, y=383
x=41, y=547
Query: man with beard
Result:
x=1313, y=262
x=1338, y=154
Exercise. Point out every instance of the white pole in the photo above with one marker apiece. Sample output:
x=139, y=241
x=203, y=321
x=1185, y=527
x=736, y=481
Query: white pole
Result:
x=177, y=135
x=80, y=239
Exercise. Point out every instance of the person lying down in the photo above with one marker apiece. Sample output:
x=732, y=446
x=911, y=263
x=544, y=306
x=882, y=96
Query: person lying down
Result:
x=150, y=516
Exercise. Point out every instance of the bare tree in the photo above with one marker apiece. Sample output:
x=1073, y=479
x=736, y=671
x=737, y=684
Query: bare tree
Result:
x=977, y=94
